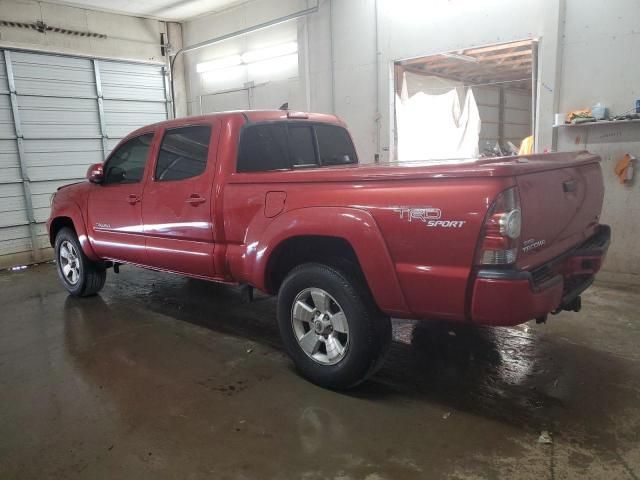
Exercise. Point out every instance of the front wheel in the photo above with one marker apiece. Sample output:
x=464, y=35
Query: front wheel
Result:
x=330, y=326
x=79, y=275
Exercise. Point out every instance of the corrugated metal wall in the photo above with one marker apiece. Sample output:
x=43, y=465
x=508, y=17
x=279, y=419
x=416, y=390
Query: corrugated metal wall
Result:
x=58, y=115
x=512, y=124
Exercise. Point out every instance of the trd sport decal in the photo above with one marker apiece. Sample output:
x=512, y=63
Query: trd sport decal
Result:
x=430, y=216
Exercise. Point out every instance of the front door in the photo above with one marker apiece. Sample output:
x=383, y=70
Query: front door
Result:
x=115, y=212
x=177, y=206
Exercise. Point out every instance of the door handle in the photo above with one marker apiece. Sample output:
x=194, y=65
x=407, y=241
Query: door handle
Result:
x=195, y=199
x=133, y=198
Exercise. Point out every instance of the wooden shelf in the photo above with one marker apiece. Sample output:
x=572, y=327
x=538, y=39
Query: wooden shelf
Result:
x=599, y=122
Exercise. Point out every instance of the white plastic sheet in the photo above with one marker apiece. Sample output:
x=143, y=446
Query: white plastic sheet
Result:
x=433, y=124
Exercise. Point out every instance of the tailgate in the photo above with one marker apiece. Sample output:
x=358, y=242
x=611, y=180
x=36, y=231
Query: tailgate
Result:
x=560, y=209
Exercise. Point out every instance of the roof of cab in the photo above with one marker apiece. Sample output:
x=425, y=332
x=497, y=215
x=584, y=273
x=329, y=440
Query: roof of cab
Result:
x=249, y=116
x=253, y=116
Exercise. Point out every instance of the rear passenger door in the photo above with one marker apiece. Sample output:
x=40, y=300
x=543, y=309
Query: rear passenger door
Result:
x=277, y=146
x=177, y=209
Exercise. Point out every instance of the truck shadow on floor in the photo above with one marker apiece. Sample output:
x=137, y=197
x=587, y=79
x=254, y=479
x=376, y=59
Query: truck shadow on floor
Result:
x=512, y=375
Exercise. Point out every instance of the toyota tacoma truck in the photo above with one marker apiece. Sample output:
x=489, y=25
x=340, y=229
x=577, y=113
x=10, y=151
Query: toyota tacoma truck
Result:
x=277, y=200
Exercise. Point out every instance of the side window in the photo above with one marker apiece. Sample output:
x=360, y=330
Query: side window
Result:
x=126, y=165
x=335, y=145
x=302, y=146
x=183, y=153
x=262, y=148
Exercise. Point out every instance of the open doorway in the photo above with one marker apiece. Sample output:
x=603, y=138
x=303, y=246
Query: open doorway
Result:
x=468, y=103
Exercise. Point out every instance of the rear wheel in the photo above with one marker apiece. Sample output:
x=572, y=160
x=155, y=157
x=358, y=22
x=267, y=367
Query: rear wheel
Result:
x=79, y=275
x=330, y=325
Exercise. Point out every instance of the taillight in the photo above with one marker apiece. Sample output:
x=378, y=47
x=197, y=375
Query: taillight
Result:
x=500, y=236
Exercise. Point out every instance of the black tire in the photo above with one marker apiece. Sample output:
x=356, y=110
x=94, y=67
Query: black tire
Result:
x=90, y=276
x=369, y=331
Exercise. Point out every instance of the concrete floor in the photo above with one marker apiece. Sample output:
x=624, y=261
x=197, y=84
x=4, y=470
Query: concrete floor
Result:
x=165, y=377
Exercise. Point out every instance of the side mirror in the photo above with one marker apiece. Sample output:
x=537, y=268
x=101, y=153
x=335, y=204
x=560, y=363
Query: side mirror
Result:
x=95, y=174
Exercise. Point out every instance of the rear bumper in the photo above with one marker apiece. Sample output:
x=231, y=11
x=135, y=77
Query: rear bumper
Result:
x=510, y=297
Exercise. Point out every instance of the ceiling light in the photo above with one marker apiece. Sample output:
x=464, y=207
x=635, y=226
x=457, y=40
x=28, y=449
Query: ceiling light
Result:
x=225, y=75
x=270, y=52
x=219, y=63
x=285, y=65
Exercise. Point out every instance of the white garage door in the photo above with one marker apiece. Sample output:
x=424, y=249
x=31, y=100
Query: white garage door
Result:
x=58, y=115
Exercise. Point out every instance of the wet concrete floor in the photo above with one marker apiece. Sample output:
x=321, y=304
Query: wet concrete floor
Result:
x=165, y=377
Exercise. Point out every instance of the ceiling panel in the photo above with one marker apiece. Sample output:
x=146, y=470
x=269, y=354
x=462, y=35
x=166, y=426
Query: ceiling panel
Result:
x=175, y=10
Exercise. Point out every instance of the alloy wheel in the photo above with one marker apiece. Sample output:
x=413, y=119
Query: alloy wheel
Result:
x=320, y=326
x=69, y=261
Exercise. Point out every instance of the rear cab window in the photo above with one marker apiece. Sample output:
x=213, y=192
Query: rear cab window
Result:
x=289, y=145
x=302, y=150
x=335, y=145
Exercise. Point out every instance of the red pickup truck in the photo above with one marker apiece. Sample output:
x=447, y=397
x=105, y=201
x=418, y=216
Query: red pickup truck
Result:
x=277, y=200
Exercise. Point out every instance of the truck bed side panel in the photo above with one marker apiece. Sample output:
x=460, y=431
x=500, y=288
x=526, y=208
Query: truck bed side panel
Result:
x=432, y=229
x=429, y=263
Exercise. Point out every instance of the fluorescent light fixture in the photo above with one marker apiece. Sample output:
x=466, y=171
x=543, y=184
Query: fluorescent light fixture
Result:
x=219, y=63
x=253, y=56
x=270, y=52
x=277, y=68
x=223, y=76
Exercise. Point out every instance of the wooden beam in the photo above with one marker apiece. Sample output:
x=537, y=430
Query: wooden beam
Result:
x=427, y=59
x=517, y=49
x=475, y=69
x=496, y=63
x=417, y=71
x=452, y=62
x=431, y=59
x=398, y=71
x=492, y=48
x=517, y=53
x=444, y=61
